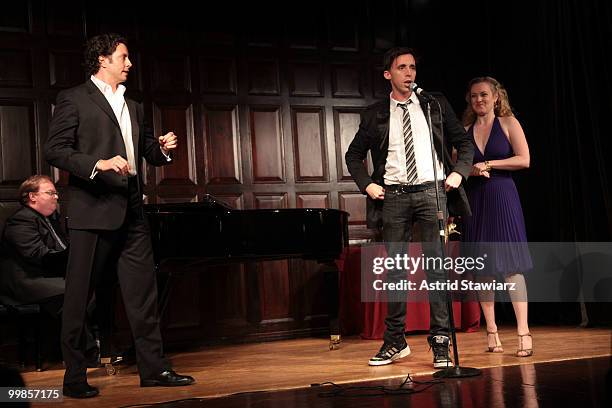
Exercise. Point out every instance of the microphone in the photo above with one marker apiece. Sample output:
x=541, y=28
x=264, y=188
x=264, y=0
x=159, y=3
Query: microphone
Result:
x=419, y=91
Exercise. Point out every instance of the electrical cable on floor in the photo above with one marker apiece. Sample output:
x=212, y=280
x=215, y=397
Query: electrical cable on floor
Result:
x=337, y=391
x=175, y=403
x=375, y=391
x=172, y=403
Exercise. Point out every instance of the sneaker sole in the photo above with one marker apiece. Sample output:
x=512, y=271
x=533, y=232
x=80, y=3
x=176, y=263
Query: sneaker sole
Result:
x=405, y=352
x=443, y=364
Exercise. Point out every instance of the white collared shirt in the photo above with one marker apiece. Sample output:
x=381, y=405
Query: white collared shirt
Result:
x=117, y=103
x=395, y=168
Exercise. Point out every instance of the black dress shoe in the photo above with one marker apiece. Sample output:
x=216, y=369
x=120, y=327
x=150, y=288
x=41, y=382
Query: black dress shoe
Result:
x=80, y=390
x=167, y=379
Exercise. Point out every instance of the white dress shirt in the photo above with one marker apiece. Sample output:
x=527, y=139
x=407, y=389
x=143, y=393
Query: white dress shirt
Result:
x=117, y=103
x=395, y=168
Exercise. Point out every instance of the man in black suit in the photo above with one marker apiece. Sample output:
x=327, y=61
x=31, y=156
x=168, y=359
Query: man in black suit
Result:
x=100, y=138
x=396, y=133
x=34, y=248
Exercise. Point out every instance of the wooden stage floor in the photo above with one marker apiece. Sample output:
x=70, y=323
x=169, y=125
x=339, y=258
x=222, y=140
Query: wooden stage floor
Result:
x=296, y=364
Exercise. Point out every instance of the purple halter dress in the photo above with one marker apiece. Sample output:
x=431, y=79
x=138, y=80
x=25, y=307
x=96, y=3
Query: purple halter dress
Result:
x=497, y=215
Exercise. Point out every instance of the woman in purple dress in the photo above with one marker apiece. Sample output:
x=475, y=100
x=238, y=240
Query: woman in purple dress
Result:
x=500, y=148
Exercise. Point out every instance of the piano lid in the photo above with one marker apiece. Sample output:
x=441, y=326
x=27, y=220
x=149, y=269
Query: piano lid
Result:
x=211, y=203
x=208, y=202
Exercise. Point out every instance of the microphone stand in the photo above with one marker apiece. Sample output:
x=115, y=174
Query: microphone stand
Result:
x=456, y=371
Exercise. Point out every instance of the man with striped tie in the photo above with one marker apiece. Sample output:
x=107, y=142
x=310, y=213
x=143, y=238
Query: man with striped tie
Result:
x=396, y=132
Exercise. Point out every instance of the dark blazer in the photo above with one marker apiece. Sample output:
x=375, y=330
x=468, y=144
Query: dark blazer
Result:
x=83, y=130
x=373, y=135
x=30, y=257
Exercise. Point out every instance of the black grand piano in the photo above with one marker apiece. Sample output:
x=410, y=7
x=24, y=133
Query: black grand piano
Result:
x=212, y=232
x=209, y=232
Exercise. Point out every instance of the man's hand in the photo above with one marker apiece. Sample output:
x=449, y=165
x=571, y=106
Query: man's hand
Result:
x=168, y=142
x=375, y=191
x=452, y=181
x=117, y=164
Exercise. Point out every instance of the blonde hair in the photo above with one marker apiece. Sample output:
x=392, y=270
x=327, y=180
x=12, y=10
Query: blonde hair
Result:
x=502, y=106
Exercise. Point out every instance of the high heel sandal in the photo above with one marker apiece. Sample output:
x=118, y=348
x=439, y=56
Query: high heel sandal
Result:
x=497, y=348
x=527, y=352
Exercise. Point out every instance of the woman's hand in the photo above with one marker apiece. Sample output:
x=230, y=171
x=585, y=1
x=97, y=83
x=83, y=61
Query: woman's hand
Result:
x=480, y=169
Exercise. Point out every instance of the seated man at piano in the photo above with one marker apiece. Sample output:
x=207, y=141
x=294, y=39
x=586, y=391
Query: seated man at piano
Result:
x=34, y=248
x=34, y=256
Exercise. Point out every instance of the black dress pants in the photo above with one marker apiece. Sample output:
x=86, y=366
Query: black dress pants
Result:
x=128, y=252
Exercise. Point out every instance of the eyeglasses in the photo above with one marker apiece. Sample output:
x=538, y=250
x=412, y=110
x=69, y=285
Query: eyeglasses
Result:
x=50, y=193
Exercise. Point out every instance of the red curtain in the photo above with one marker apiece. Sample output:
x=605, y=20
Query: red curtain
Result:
x=368, y=318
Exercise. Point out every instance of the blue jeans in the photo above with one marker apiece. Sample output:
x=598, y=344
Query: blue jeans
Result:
x=401, y=211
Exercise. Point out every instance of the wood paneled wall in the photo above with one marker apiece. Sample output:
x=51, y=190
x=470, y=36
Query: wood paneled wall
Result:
x=264, y=100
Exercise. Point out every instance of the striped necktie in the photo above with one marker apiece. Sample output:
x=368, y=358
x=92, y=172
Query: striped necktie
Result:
x=411, y=169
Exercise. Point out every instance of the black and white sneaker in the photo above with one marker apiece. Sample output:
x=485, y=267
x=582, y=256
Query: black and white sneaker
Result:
x=390, y=352
x=440, y=346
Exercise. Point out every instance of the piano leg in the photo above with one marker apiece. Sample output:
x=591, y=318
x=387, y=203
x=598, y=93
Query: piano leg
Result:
x=105, y=305
x=331, y=276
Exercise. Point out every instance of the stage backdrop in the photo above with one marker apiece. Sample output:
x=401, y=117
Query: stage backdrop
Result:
x=265, y=98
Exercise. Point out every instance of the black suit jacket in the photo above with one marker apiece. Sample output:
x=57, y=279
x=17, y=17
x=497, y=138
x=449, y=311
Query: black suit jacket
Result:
x=30, y=256
x=83, y=130
x=373, y=135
